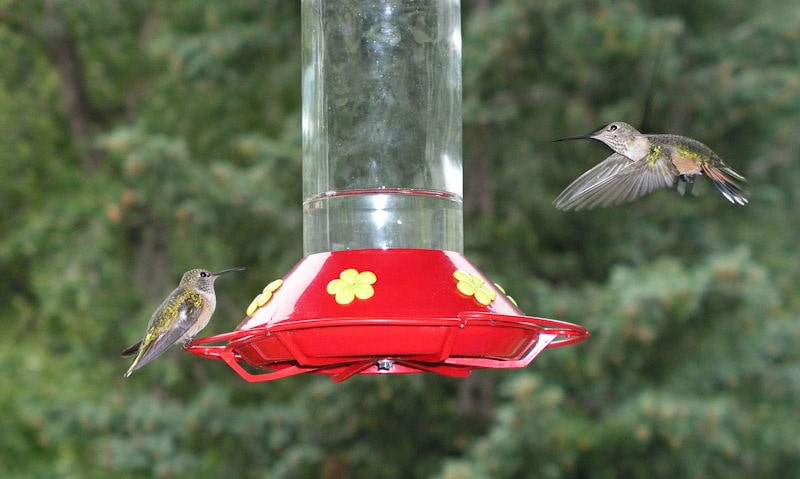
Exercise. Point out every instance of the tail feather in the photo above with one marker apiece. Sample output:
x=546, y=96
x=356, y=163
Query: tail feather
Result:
x=731, y=184
x=130, y=351
x=133, y=367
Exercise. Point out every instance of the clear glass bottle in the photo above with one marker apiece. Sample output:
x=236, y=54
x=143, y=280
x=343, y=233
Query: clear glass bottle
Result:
x=381, y=124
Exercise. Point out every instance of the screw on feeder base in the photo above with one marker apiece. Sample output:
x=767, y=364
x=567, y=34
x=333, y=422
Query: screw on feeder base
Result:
x=385, y=365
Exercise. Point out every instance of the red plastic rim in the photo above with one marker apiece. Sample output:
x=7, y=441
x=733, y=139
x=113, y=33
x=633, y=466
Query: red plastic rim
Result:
x=383, y=312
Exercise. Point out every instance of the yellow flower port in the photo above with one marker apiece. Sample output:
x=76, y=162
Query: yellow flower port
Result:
x=352, y=284
x=471, y=285
x=264, y=297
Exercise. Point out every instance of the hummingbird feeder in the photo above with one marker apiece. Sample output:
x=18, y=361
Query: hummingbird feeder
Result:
x=384, y=286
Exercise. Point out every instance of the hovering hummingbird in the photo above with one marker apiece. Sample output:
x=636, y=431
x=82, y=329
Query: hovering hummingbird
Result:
x=643, y=163
x=180, y=317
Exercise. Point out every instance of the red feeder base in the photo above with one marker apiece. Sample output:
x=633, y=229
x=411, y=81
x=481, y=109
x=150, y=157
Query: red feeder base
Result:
x=383, y=312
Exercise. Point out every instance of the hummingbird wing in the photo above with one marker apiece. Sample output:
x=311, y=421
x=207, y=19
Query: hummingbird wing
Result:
x=601, y=172
x=615, y=180
x=159, y=337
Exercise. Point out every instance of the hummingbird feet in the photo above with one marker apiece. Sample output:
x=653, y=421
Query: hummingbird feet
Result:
x=686, y=183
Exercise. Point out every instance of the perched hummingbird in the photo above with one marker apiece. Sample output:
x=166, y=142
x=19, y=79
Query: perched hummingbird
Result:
x=180, y=317
x=643, y=163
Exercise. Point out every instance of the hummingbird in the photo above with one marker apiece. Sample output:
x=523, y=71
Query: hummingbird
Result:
x=642, y=163
x=184, y=313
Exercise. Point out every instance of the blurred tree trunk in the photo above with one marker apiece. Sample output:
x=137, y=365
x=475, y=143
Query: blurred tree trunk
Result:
x=58, y=43
x=476, y=395
x=62, y=50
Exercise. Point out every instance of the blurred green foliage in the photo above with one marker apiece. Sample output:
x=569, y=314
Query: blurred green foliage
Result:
x=184, y=151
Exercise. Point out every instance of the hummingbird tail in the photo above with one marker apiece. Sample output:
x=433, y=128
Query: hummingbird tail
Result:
x=131, y=369
x=131, y=350
x=731, y=184
x=137, y=361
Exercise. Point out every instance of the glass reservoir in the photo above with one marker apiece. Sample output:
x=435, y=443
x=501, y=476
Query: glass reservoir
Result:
x=381, y=125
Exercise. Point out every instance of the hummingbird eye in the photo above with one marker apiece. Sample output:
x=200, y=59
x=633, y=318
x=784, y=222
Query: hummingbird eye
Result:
x=612, y=128
x=203, y=274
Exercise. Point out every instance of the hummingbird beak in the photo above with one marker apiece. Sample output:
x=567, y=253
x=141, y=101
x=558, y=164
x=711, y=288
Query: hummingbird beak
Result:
x=578, y=137
x=226, y=271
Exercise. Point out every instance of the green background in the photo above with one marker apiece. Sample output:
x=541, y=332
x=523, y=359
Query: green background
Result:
x=141, y=138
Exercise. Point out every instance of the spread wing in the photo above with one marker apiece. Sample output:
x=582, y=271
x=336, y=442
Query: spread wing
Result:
x=615, y=180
